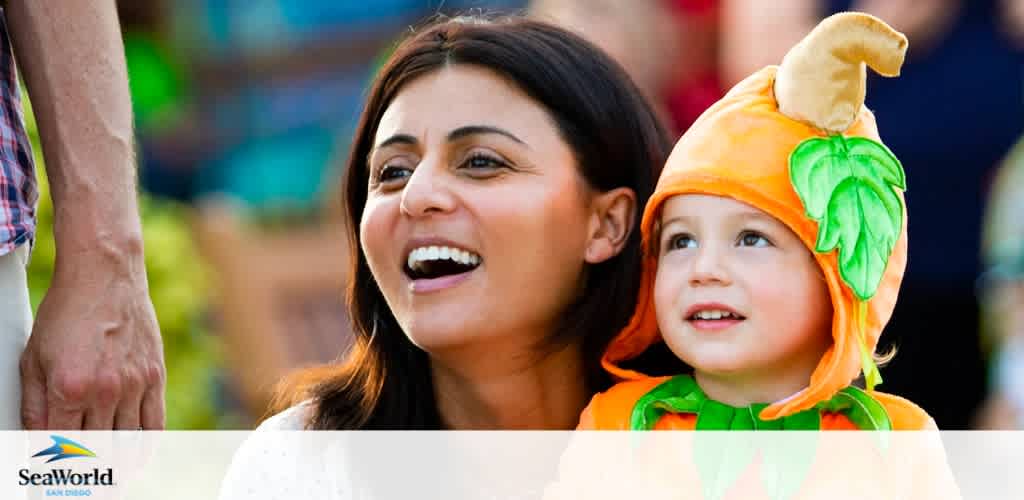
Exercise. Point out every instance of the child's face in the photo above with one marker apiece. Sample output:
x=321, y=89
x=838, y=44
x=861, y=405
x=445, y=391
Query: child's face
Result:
x=718, y=255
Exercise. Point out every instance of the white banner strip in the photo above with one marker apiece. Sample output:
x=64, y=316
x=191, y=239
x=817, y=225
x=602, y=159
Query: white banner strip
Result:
x=511, y=465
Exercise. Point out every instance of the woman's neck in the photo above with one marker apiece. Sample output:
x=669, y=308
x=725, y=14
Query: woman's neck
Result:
x=498, y=393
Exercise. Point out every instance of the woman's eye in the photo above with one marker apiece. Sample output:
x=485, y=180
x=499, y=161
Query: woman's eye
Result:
x=680, y=241
x=482, y=161
x=753, y=239
x=392, y=172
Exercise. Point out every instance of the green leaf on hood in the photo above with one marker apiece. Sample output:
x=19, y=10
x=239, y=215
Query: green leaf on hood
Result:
x=848, y=185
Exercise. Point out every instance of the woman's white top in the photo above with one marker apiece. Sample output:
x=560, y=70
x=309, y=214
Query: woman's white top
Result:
x=278, y=461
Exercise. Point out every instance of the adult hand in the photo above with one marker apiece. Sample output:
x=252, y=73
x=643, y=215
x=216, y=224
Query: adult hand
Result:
x=94, y=359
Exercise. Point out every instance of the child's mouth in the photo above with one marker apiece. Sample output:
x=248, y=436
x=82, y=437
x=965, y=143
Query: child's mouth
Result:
x=715, y=315
x=714, y=319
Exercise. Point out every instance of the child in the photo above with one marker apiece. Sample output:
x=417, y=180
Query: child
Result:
x=776, y=245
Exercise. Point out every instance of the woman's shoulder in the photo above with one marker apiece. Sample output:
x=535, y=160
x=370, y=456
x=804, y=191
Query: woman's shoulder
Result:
x=291, y=419
x=273, y=462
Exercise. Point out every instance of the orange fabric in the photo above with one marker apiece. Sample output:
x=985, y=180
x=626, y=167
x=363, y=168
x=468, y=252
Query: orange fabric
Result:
x=836, y=422
x=740, y=148
x=904, y=415
x=612, y=409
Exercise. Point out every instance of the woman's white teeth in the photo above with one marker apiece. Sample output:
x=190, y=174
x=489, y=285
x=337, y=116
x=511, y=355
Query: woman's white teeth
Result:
x=426, y=254
x=715, y=314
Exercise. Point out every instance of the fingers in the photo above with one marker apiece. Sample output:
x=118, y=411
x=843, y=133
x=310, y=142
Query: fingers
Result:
x=64, y=418
x=154, y=380
x=153, y=408
x=108, y=401
x=98, y=419
x=128, y=415
x=112, y=399
x=33, y=394
x=106, y=395
x=66, y=398
x=129, y=409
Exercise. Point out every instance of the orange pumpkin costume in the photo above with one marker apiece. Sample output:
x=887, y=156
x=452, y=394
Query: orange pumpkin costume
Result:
x=796, y=142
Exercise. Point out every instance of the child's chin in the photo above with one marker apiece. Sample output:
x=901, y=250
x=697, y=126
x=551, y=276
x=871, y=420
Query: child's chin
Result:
x=716, y=359
x=728, y=367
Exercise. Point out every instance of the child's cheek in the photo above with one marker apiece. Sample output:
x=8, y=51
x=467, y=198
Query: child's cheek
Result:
x=771, y=291
x=669, y=286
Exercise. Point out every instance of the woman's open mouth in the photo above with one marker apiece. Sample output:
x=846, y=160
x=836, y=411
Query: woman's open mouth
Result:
x=437, y=267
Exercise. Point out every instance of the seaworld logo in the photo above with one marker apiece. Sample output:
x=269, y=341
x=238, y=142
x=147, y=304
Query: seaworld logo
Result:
x=65, y=448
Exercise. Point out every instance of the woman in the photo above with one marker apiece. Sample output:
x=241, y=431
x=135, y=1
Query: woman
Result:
x=496, y=176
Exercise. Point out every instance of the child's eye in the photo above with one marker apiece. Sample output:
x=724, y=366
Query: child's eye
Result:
x=752, y=239
x=679, y=241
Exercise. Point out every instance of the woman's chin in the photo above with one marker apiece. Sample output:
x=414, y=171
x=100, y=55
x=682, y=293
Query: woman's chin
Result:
x=434, y=334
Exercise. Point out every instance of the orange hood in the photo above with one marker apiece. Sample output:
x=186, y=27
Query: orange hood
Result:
x=742, y=148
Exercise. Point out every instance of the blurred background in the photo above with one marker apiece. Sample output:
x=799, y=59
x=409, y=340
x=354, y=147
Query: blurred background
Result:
x=244, y=111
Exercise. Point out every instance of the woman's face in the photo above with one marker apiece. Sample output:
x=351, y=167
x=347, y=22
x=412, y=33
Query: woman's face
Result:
x=476, y=222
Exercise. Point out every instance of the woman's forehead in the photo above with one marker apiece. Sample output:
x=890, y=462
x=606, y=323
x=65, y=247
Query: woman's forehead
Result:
x=432, y=106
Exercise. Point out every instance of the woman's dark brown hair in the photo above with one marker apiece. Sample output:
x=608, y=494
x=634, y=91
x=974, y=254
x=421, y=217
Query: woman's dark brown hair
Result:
x=385, y=381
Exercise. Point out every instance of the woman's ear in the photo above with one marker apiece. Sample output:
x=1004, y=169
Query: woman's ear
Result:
x=611, y=223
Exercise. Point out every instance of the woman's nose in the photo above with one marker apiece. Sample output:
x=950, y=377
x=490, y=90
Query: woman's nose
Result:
x=427, y=191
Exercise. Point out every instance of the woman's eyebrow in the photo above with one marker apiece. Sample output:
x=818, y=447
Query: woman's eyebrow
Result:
x=469, y=130
x=405, y=139
x=396, y=139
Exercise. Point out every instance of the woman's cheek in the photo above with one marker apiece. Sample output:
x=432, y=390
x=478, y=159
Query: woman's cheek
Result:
x=377, y=238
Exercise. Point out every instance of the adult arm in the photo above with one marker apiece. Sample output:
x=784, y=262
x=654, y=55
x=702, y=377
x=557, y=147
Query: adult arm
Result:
x=95, y=358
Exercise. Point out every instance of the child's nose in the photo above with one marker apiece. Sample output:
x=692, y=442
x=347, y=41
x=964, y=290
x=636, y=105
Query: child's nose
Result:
x=708, y=267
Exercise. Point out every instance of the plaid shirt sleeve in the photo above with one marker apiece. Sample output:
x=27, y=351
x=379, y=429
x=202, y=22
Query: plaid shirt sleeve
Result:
x=18, y=191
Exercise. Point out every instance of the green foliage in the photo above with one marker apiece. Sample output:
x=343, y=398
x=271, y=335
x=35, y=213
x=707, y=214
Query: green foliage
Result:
x=178, y=288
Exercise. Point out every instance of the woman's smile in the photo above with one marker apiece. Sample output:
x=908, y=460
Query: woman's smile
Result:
x=435, y=264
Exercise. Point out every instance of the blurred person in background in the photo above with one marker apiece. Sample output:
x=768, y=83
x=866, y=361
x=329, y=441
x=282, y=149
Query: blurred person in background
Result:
x=1002, y=290
x=94, y=359
x=696, y=83
x=668, y=47
x=954, y=112
x=636, y=34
